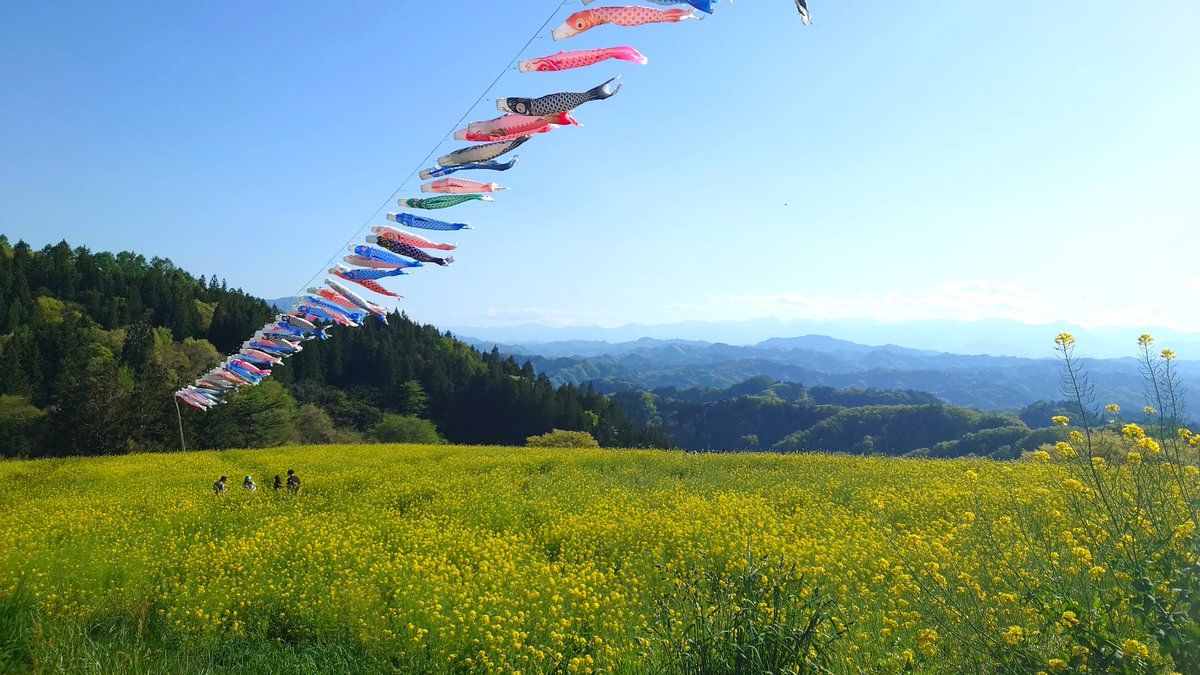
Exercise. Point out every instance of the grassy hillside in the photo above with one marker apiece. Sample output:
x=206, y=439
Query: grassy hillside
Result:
x=488, y=559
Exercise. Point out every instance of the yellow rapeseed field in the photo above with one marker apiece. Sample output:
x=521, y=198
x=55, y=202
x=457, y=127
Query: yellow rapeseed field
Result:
x=487, y=559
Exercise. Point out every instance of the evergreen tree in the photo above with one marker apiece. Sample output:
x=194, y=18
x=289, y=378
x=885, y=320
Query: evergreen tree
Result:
x=97, y=342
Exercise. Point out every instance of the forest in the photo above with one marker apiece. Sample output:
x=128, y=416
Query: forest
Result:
x=763, y=414
x=92, y=345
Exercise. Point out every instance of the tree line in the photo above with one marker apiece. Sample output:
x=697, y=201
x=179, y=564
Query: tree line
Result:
x=92, y=345
x=763, y=414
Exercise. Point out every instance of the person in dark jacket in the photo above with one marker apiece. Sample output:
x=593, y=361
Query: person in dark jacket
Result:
x=293, y=482
x=219, y=486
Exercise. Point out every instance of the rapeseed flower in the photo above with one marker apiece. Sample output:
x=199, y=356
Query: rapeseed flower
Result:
x=1135, y=649
x=1132, y=430
x=1013, y=635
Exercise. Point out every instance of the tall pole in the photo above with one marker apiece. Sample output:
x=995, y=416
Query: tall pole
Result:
x=179, y=416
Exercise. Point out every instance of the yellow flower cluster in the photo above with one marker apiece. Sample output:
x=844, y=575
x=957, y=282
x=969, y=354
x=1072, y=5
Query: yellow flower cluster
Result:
x=1133, y=649
x=1150, y=445
x=509, y=560
x=1133, y=431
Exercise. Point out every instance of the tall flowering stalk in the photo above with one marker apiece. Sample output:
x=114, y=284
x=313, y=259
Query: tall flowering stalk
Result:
x=1100, y=571
x=1133, y=490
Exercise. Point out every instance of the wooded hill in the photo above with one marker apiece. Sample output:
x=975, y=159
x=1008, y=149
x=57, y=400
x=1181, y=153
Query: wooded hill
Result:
x=92, y=345
x=762, y=414
x=994, y=383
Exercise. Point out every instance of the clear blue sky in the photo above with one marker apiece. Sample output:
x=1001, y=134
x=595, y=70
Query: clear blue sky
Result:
x=930, y=159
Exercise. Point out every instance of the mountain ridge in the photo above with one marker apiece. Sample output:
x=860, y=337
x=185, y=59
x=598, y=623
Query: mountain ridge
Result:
x=988, y=337
x=981, y=381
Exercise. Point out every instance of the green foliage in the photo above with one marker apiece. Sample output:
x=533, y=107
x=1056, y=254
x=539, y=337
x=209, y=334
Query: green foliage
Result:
x=991, y=443
x=789, y=417
x=406, y=368
x=894, y=430
x=406, y=429
x=413, y=399
x=760, y=617
x=314, y=427
x=50, y=310
x=19, y=421
x=559, y=438
x=98, y=343
x=1039, y=413
x=257, y=417
x=713, y=420
x=854, y=398
x=205, y=311
x=1119, y=590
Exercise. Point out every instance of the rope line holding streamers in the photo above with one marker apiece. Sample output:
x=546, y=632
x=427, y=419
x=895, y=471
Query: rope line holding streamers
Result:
x=433, y=151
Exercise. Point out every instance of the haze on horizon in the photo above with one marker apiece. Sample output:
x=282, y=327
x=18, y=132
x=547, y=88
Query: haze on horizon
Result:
x=938, y=160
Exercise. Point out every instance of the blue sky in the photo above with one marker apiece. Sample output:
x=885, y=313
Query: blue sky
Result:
x=894, y=161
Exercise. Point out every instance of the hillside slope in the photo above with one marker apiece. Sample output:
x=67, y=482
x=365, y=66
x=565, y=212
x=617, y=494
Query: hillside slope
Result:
x=92, y=345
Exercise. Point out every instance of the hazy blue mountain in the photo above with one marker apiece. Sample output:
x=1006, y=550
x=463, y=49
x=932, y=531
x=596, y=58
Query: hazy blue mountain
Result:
x=980, y=381
x=280, y=304
x=997, y=337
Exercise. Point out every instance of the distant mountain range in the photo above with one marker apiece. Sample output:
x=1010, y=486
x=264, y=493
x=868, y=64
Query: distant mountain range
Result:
x=979, y=381
x=995, y=337
x=281, y=304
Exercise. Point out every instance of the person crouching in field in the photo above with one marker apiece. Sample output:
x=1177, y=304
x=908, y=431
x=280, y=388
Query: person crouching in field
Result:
x=219, y=486
x=278, y=484
x=248, y=485
x=293, y=482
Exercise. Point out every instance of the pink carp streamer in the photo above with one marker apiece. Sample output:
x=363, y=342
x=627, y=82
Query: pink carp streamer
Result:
x=629, y=15
x=373, y=285
x=508, y=127
x=385, y=232
x=334, y=297
x=458, y=186
x=400, y=250
x=580, y=59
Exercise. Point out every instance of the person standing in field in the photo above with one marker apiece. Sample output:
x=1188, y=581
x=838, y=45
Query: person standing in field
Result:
x=293, y=482
x=219, y=486
x=278, y=483
x=248, y=485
